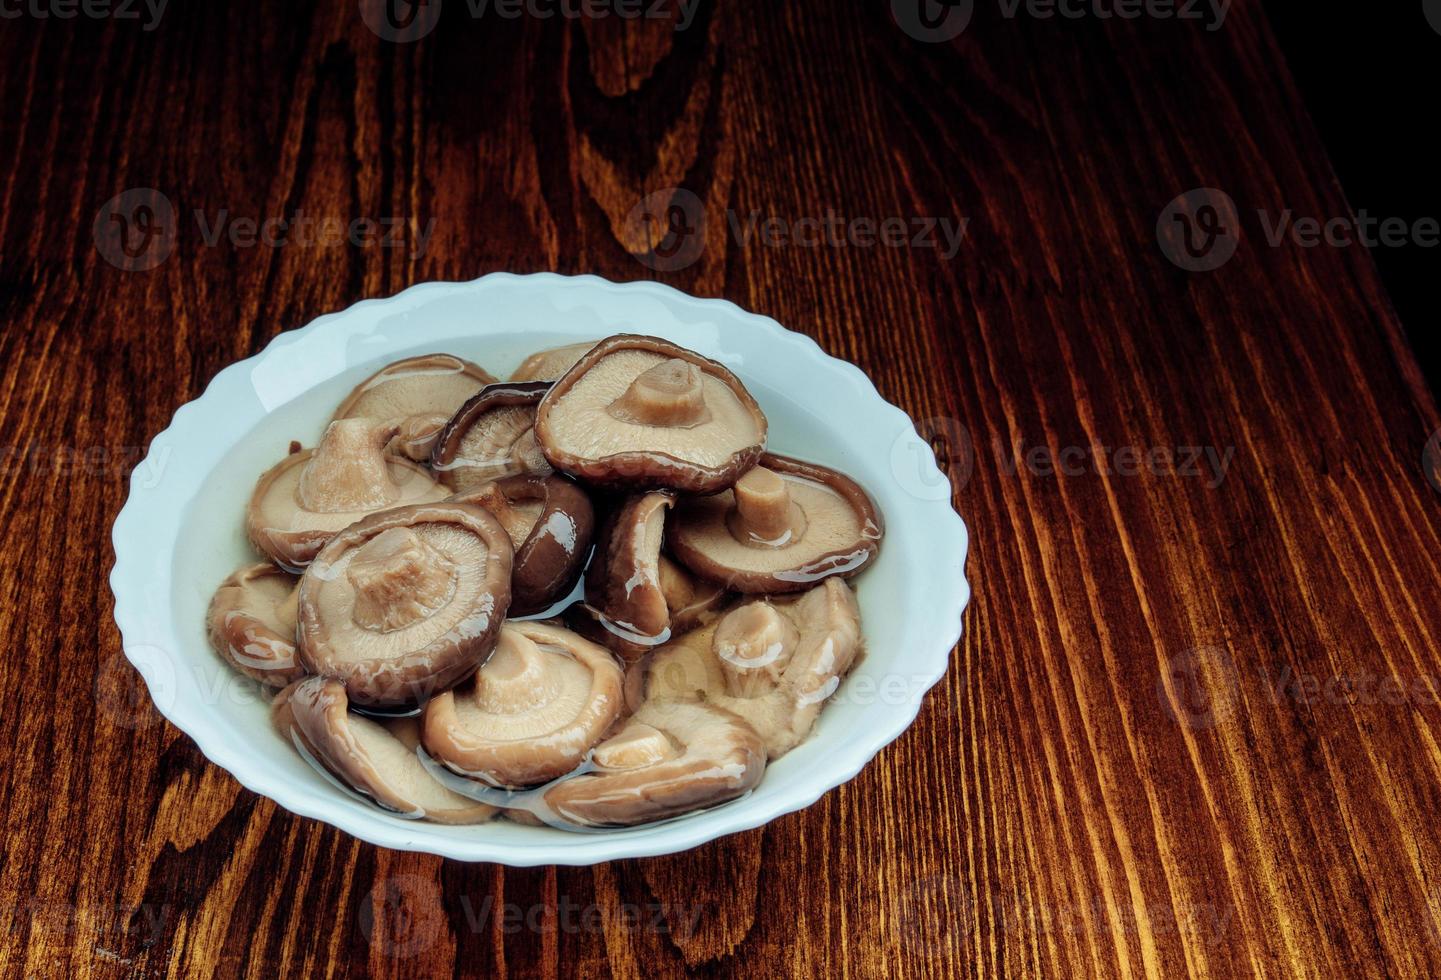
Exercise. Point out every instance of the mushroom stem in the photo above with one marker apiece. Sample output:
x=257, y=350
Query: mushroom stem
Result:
x=765, y=514
x=399, y=579
x=514, y=679
x=753, y=644
x=636, y=746
x=670, y=395
x=348, y=470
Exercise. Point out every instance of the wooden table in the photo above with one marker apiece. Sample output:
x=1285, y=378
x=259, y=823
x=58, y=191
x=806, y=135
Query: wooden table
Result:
x=1193, y=724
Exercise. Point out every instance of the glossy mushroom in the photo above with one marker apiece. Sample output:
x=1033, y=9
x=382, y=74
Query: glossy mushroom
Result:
x=640, y=412
x=251, y=623
x=301, y=502
x=531, y=713
x=623, y=583
x=547, y=365
x=421, y=393
x=784, y=526
x=670, y=758
x=406, y=603
x=773, y=662
x=690, y=603
x=492, y=436
x=550, y=521
x=378, y=759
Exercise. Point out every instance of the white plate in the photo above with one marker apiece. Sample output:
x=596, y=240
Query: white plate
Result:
x=180, y=533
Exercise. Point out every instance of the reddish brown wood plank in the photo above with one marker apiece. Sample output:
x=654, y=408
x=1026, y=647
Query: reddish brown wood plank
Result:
x=1127, y=771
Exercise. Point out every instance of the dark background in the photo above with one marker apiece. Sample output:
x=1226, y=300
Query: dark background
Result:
x=1369, y=76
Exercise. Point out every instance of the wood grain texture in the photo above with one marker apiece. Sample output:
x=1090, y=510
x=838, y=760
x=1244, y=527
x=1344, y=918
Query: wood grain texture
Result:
x=1156, y=752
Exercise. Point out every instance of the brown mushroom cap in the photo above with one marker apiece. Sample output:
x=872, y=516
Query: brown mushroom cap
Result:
x=623, y=583
x=640, y=412
x=423, y=392
x=550, y=521
x=690, y=603
x=547, y=365
x=670, y=758
x=492, y=436
x=533, y=711
x=251, y=623
x=773, y=662
x=377, y=759
x=783, y=527
x=406, y=603
x=301, y=502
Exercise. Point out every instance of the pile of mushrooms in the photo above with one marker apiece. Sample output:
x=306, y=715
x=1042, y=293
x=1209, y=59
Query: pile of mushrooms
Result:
x=586, y=597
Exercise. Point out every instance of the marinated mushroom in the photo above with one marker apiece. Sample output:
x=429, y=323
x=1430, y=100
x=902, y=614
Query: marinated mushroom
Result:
x=547, y=365
x=550, y=521
x=406, y=603
x=784, y=526
x=690, y=604
x=378, y=759
x=421, y=393
x=492, y=436
x=773, y=662
x=302, y=501
x=641, y=413
x=532, y=712
x=670, y=758
x=251, y=623
x=623, y=584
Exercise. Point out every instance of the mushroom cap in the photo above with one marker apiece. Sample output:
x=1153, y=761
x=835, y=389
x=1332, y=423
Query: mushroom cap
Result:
x=547, y=365
x=532, y=712
x=375, y=758
x=640, y=413
x=623, y=582
x=773, y=662
x=492, y=436
x=670, y=758
x=690, y=604
x=423, y=391
x=251, y=623
x=406, y=603
x=550, y=521
x=783, y=527
x=301, y=502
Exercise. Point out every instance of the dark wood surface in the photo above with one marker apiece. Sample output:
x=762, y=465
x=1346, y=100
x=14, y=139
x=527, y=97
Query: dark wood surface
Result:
x=1156, y=752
